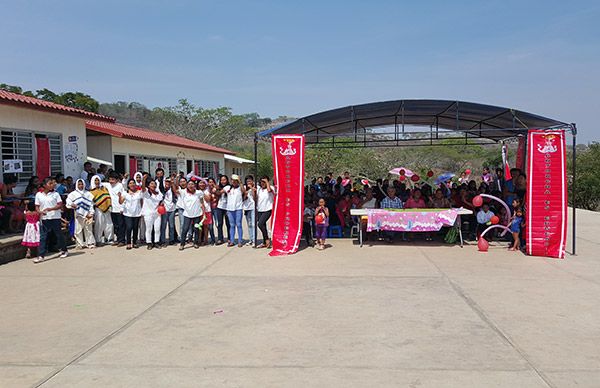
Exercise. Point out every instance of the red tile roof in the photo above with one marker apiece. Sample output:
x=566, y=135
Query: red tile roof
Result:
x=10, y=98
x=147, y=135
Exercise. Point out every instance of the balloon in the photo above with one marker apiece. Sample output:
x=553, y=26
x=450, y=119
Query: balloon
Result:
x=415, y=178
x=478, y=201
x=495, y=220
x=483, y=244
x=364, y=182
x=429, y=174
x=161, y=209
x=468, y=171
x=319, y=218
x=402, y=178
x=345, y=182
x=402, y=172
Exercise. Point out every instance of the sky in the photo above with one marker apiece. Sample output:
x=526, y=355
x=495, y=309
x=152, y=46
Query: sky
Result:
x=296, y=58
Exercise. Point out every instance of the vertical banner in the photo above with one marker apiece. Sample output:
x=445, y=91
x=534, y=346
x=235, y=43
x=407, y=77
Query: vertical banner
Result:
x=42, y=164
x=520, y=163
x=132, y=165
x=288, y=167
x=546, y=194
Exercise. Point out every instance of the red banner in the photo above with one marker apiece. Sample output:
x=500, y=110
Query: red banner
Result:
x=546, y=228
x=520, y=163
x=42, y=165
x=288, y=166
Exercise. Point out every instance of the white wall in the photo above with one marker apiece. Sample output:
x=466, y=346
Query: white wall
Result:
x=74, y=152
x=100, y=147
x=135, y=147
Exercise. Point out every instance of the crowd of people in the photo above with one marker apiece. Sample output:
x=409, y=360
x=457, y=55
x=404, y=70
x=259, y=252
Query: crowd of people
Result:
x=105, y=207
x=328, y=201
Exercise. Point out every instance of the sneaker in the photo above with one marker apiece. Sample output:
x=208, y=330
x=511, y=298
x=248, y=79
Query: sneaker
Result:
x=149, y=246
x=121, y=244
x=181, y=247
x=39, y=259
x=64, y=254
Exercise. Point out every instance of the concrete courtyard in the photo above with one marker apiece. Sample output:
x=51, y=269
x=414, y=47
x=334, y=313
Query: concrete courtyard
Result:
x=415, y=315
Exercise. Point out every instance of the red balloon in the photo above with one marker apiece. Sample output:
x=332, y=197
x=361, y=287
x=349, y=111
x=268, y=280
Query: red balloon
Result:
x=161, y=209
x=402, y=178
x=415, y=178
x=495, y=220
x=478, y=201
x=429, y=173
x=319, y=218
x=483, y=244
x=468, y=171
x=402, y=172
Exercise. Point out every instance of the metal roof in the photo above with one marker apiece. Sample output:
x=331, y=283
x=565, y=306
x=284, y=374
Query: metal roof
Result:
x=476, y=120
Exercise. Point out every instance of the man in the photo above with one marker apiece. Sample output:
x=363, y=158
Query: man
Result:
x=116, y=190
x=101, y=171
x=510, y=186
x=159, y=174
x=86, y=174
x=498, y=182
x=391, y=202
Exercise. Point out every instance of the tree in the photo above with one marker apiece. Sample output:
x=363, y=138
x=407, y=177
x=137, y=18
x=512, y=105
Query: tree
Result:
x=587, y=180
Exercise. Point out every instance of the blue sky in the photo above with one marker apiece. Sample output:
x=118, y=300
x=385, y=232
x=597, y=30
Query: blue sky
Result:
x=297, y=58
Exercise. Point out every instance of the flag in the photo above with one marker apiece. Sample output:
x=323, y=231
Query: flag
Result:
x=507, y=175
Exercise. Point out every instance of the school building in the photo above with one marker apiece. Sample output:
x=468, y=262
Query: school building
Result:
x=43, y=138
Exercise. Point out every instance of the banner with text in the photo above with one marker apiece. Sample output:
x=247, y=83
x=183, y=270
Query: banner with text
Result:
x=288, y=167
x=546, y=217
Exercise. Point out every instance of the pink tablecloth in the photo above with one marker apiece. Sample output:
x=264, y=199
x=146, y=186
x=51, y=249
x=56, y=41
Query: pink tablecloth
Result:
x=427, y=220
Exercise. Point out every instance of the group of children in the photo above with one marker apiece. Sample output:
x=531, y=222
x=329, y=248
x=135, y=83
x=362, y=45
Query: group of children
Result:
x=127, y=211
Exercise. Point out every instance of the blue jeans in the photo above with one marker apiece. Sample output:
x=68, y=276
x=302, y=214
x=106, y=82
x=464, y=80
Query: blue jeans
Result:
x=250, y=221
x=167, y=219
x=47, y=227
x=235, y=221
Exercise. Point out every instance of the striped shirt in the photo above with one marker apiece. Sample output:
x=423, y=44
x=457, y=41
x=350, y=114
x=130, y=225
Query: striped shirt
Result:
x=101, y=198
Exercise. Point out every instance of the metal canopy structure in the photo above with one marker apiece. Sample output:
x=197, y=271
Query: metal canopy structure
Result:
x=390, y=123
x=411, y=123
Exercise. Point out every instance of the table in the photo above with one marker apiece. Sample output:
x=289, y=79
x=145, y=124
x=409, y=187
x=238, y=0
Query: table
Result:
x=414, y=213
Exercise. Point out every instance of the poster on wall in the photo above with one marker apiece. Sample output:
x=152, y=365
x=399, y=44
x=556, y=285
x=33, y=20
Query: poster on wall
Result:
x=12, y=166
x=154, y=164
x=288, y=167
x=546, y=216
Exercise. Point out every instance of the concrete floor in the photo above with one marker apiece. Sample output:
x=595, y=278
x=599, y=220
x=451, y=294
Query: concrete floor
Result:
x=417, y=315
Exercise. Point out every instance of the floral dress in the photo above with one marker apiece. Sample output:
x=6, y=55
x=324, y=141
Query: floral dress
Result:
x=31, y=236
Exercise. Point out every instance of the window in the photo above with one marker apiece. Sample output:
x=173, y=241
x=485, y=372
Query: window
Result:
x=209, y=167
x=20, y=145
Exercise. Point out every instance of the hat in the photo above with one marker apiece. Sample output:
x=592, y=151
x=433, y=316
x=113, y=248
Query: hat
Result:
x=235, y=177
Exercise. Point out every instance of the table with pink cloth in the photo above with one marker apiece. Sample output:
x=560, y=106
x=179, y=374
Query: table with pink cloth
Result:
x=410, y=220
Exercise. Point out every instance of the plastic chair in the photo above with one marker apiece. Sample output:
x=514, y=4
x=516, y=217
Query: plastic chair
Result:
x=354, y=231
x=335, y=231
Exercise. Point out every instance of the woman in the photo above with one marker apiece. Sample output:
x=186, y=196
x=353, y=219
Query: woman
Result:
x=207, y=224
x=265, y=195
x=248, y=207
x=221, y=210
x=132, y=212
x=82, y=201
x=151, y=198
x=439, y=201
x=192, y=202
x=102, y=220
x=180, y=186
x=168, y=219
x=235, y=209
x=33, y=186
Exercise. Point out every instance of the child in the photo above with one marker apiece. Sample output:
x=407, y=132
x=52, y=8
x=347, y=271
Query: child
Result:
x=49, y=204
x=132, y=212
x=82, y=201
x=484, y=217
x=31, y=236
x=321, y=222
x=515, y=225
x=307, y=219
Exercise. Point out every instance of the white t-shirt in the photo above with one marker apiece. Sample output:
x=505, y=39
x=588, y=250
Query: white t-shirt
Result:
x=168, y=201
x=264, y=199
x=206, y=193
x=132, y=207
x=235, y=198
x=45, y=201
x=151, y=202
x=222, y=203
x=192, y=203
x=370, y=204
x=114, y=191
x=249, y=201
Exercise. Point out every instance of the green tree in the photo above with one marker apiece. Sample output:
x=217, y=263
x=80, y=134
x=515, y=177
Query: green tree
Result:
x=587, y=180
